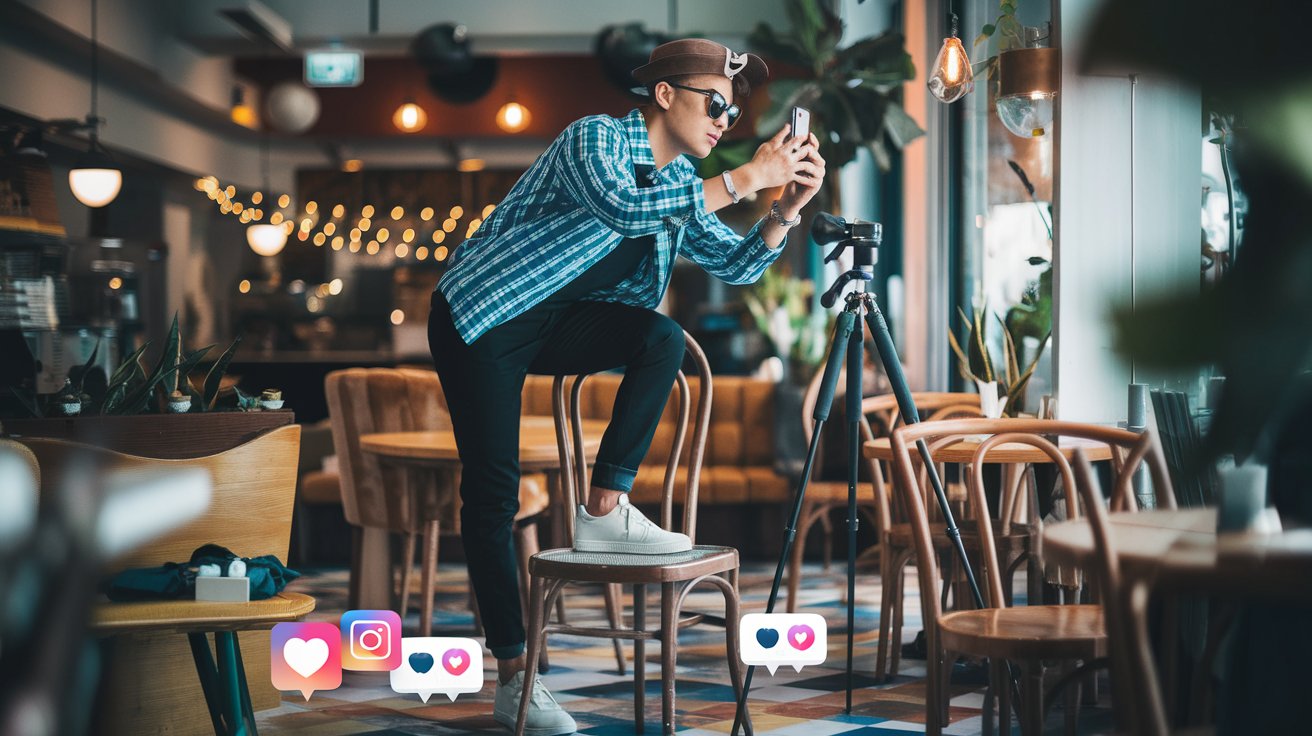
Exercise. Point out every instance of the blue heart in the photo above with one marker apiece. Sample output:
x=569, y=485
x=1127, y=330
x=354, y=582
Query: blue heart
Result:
x=422, y=662
x=767, y=637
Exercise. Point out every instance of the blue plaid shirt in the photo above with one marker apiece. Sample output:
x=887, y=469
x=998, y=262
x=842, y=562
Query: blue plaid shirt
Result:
x=577, y=202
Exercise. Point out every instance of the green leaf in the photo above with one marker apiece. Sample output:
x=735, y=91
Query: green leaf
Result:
x=784, y=94
x=981, y=362
x=987, y=30
x=215, y=377
x=763, y=40
x=901, y=127
x=86, y=368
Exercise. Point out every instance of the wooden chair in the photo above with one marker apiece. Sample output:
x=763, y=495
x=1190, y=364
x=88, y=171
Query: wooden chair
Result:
x=1026, y=635
x=1136, y=698
x=408, y=501
x=254, y=485
x=676, y=574
x=896, y=548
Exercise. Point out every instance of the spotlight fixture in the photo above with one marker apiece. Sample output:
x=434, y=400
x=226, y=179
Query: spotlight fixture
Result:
x=513, y=117
x=409, y=118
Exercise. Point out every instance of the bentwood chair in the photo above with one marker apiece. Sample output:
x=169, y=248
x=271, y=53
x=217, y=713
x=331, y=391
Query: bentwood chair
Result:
x=677, y=574
x=1026, y=635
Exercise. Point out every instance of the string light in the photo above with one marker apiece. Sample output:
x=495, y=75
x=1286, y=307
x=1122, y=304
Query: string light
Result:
x=244, y=286
x=307, y=226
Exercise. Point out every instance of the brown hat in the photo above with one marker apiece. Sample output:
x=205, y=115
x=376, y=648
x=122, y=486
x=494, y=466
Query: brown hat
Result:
x=700, y=56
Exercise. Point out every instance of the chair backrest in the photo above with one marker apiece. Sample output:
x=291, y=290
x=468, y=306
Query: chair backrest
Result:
x=367, y=400
x=1137, y=699
x=254, y=487
x=573, y=461
x=1129, y=450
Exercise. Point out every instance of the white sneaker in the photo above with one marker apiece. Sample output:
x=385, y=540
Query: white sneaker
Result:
x=625, y=529
x=545, y=716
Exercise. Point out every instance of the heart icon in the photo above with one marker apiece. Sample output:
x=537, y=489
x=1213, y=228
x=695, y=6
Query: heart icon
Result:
x=305, y=657
x=767, y=637
x=801, y=637
x=455, y=661
x=421, y=662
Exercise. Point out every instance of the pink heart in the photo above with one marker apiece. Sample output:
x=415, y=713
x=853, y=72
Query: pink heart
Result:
x=456, y=661
x=801, y=637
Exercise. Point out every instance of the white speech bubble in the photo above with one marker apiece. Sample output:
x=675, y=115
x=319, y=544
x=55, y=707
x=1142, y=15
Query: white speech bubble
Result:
x=450, y=665
x=783, y=640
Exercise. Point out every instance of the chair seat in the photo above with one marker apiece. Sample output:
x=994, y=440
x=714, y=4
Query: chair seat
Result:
x=1027, y=632
x=189, y=616
x=614, y=567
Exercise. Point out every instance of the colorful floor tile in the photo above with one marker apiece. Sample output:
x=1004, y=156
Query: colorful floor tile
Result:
x=584, y=680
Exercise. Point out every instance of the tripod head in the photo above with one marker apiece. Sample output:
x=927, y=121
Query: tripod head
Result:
x=861, y=236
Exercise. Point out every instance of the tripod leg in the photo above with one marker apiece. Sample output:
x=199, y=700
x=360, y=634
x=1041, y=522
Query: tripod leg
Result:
x=855, y=367
x=843, y=328
x=907, y=406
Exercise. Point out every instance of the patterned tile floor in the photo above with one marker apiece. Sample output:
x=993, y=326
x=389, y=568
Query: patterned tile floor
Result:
x=584, y=680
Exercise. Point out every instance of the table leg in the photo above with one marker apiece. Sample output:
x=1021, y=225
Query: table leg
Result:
x=375, y=569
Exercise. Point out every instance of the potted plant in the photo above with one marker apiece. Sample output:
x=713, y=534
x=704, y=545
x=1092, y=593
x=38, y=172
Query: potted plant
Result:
x=1000, y=393
x=153, y=409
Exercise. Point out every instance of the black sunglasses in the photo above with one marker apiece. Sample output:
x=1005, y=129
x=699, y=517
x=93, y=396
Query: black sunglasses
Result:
x=716, y=105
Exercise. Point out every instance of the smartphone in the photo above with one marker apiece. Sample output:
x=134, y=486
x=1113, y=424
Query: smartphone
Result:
x=800, y=122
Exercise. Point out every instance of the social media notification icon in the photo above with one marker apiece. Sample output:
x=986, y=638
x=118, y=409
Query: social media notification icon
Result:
x=305, y=657
x=371, y=641
x=783, y=640
x=439, y=664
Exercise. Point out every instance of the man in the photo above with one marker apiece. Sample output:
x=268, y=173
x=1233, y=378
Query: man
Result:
x=562, y=279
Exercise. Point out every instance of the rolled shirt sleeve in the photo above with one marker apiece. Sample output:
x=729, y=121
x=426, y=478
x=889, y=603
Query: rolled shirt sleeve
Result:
x=723, y=253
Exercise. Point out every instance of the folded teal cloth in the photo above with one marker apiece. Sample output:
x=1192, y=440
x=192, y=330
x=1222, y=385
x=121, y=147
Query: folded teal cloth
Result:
x=177, y=580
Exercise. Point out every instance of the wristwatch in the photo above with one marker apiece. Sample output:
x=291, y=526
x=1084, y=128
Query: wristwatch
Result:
x=777, y=217
x=728, y=184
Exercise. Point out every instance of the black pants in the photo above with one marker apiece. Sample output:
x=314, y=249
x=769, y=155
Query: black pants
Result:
x=483, y=383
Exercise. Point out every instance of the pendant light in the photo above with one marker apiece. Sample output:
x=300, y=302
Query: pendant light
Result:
x=1028, y=81
x=263, y=238
x=952, y=78
x=95, y=180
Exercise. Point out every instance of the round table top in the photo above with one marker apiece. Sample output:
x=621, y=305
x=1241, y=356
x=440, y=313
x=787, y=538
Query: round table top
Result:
x=1182, y=547
x=880, y=448
x=537, y=444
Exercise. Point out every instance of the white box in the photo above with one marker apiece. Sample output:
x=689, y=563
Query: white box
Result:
x=227, y=590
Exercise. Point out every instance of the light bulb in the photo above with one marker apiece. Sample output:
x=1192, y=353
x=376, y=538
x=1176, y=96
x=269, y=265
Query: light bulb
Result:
x=266, y=240
x=513, y=117
x=410, y=118
x=1027, y=115
x=95, y=187
x=953, y=77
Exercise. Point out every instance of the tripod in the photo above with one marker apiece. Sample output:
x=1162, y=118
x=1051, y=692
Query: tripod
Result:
x=849, y=339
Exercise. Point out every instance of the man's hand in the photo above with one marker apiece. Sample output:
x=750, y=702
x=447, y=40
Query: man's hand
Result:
x=777, y=162
x=808, y=177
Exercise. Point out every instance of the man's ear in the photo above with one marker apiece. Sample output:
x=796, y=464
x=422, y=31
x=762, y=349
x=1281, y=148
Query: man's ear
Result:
x=663, y=95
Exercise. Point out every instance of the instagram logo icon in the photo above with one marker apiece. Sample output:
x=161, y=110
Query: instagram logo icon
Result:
x=371, y=641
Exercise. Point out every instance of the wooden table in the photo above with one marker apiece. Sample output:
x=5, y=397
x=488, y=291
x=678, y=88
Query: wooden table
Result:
x=436, y=449
x=1181, y=548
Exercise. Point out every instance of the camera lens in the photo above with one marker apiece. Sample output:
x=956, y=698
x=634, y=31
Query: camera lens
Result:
x=371, y=639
